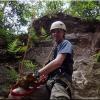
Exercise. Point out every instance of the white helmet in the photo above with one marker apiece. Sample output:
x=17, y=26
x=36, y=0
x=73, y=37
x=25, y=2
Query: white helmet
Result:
x=58, y=24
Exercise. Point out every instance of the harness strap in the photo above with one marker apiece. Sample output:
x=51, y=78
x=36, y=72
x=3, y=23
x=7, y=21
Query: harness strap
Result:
x=66, y=82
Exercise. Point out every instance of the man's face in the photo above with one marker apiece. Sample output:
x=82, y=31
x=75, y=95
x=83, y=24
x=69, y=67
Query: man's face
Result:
x=57, y=34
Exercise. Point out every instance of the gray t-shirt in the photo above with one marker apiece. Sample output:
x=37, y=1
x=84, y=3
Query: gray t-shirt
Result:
x=65, y=47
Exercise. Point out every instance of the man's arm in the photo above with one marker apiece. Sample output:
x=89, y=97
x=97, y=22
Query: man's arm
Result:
x=54, y=64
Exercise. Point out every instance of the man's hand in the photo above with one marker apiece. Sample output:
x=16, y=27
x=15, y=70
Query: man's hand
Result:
x=42, y=78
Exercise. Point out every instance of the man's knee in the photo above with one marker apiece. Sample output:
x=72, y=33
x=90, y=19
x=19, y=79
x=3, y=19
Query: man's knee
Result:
x=59, y=93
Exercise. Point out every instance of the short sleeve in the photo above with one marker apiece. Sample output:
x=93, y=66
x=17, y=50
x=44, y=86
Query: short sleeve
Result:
x=65, y=47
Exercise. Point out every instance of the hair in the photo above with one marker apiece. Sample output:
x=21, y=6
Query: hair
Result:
x=64, y=34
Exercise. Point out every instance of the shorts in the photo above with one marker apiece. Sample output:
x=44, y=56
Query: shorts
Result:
x=59, y=92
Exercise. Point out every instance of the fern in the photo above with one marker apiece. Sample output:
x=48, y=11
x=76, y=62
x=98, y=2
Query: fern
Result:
x=16, y=46
x=12, y=47
x=29, y=65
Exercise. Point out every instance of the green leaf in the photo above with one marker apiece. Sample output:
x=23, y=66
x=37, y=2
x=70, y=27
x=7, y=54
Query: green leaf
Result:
x=29, y=65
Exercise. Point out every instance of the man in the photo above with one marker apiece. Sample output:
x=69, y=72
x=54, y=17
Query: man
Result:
x=60, y=69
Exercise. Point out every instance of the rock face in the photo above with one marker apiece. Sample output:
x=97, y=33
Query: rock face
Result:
x=40, y=52
x=73, y=24
x=86, y=79
x=86, y=70
x=96, y=41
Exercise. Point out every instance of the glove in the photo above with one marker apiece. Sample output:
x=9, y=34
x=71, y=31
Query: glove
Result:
x=36, y=75
x=40, y=78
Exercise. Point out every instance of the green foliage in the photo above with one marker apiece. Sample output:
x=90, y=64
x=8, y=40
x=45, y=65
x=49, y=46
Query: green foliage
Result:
x=5, y=32
x=1, y=15
x=41, y=8
x=89, y=10
x=6, y=35
x=12, y=74
x=12, y=47
x=53, y=7
x=16, y=46
x=38, y=9
x=29, y=65
x=33, y=35
x=18, y=14
x=23, y=48
x=98, y=57
x=44, y=35
x=22, y=11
